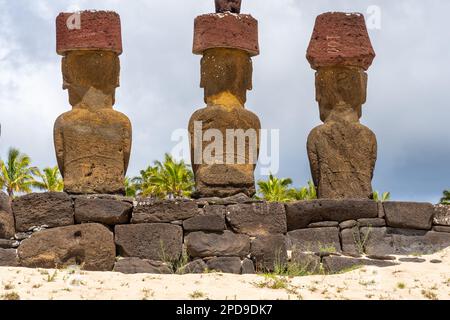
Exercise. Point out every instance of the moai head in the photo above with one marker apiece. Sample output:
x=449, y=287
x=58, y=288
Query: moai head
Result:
x=340, y=50
x=233, y=6
x=90, y=43
x=227, y=42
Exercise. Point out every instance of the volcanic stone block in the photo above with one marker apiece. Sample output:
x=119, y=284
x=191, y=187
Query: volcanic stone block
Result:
x=213, y=222
x=8, y=258
x=315, y=240
x=196, y=266
x=106, y=211
x=374, y=222
x=377, y=242
x=248, y=267
x=152, y=241
x=7, y=229
x=136, y=265
x=351, y=242
x=348, y=224
x=409, y=215
x=158, y=211
x=225, y=265
x=309, y=263
x=269, y=251
x=96, y=30
x=257, y=219
x=202, y=244
x=340, y=39
x=235, y=199
x=300, y=214
x=442, y=215
x=88, y=245
x=226, y=30
x=442, y=229
x=418, y=241
x=216, y=210
x=8, y=244
x=335, y=264
x=52, y=209
x=233, y=6
x=325, y=224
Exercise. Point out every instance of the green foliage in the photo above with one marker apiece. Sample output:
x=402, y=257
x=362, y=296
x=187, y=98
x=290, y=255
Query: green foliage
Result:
x=50, y=179
x=278, y=190
x=446, y=198
x=130, y=188
x=386, y=196
x=16, y=174
x=168, y=179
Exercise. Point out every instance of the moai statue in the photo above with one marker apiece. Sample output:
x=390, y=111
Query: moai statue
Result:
x=227, y=40
x=342, y=152
x=92, y=141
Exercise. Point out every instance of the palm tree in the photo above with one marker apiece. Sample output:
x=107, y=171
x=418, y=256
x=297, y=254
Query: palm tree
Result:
x=275, y=189
x=174, y=178
x=144, y=184
x=130, y=187
x=50, y=180
x=446, y=198
x=16, y=175
x=386, y=196
x=305, y=193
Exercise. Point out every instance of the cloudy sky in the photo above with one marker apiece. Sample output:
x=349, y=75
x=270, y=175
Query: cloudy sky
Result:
x=408, y=96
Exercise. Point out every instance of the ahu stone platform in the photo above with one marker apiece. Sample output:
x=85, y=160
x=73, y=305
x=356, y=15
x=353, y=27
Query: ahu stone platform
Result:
x=232, y=235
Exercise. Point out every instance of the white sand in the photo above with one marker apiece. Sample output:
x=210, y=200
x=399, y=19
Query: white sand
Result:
x=406, y=281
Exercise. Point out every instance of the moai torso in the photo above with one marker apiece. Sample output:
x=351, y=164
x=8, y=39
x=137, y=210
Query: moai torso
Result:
x=92, y=141
x=342, y=152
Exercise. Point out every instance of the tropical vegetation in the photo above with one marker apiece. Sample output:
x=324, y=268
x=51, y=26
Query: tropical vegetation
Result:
x=446, y=198
x=279, y=190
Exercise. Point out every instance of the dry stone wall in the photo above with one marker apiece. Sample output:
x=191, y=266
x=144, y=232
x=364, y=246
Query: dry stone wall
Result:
x=234, y=235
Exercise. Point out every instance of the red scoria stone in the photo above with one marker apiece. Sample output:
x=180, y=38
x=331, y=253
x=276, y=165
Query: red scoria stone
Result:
x=226, y=30
x=228, y=5
x=340, y=39
x=97, y=30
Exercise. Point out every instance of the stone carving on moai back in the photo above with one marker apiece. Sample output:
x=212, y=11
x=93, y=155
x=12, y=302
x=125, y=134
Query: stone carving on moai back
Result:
x=224, y=135
x=342, y=152
x=92, y=141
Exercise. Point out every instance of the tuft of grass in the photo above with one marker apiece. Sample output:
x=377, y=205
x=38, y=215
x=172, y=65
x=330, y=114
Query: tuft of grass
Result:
x=52, y=278
x=9, y=286
x=273, y=282
x=430, y=295
x=11, y=296
x=197, y=295
x=401, y=285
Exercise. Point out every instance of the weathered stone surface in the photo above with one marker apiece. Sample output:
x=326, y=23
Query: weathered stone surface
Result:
x=412, y=260
x=236, y=199
x=98, y=30
x=335, y=264
x=215, y=210
x=92, y=141
x=226, y=30
x=52, y=209
x=257, y=219
x=300, y=214
x=442, y=229
x=8, y=258
x=340, y=38
x=89, y=245
x=315, y=240
x=136, y=265
x=351, y=242
x=157, y=211
x=233, y=6
x=442, y=215
x=205, y=223
x=325, y=224
x=248, y=267
x=106, y=211
x=381, y=213
x=376, y=241
x=152, y=241
x=374, y=223
x=202, y=244
x=269, y=251
x=418, y=242
x=308, y=262
x=196, y=266
x=7, y=229
x=8, y=244
x=348, y=224
x=228, y=170
x=225, y=264
x=409, y=215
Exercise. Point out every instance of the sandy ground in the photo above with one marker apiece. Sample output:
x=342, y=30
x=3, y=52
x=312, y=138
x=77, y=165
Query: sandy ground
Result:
x=406, y=281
